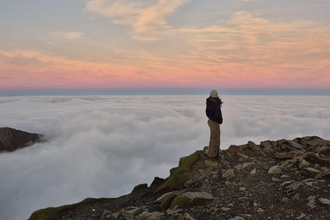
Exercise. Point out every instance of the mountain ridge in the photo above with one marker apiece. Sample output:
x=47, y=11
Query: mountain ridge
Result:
x=283, y=179
x=12, y=139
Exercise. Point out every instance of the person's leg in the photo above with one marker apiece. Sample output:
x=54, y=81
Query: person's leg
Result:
x=214, y=143
x=218, y=141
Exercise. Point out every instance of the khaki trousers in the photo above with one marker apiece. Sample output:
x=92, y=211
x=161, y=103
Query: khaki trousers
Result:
x=214, y=144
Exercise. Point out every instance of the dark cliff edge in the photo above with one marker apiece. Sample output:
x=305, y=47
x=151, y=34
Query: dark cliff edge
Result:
x=283, y=179
x=12, y=139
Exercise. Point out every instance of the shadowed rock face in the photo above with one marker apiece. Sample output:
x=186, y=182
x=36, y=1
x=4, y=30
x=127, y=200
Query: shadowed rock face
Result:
x=12, y=139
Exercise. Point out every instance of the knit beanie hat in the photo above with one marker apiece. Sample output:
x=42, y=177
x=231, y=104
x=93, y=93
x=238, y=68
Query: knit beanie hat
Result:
x=214, y=94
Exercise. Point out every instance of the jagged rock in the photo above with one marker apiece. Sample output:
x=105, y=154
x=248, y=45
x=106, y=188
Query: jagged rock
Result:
x=285, y=176
x=242, y=156
x=274, y=179
x=286, y=183
x=243, y=166
x=224, y=162
x=237, y=218
x=161, y=198
x=254, y=171
x=311, y=202
x=280, y=142
x=303, y=164
x=149, y=216
x=285, y=200
x=322, y=174
x=247, y=165
x=197, y=195
x=267, y=146
x=295, y=145
x=241, y=189
x=255, y=147
x=228, y=174
x=248, y=216
x=130, y=212
x=12, y=139
x=107, y=214
x=321, y=160
x=308, y=155
x=182, y=198
x=302, y=216
x=174, y=212
x=275, y=170
x=324, y=201
x=225, y=209
x=286, y=155
x=309, y=171
x=322, y=150
x=260, y=210
x=235, y=149
x=288, y=163
x=292, y=188
x=187, y=216
x=212, y=210
x=318, y=141
x=211, y=163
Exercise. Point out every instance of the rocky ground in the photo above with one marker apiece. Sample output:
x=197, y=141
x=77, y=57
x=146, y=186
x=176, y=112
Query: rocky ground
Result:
x=283, y=179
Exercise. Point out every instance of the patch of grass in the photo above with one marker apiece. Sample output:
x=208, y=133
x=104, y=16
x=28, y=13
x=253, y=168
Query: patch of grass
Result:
x=184, y=202
x=48, y=213
x=167, y=201
x=181, y=202
x=139, y=188
x=55, y=213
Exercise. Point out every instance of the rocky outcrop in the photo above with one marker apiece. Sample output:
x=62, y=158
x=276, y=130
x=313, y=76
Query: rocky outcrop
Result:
x=12, y=139
x=284, y=179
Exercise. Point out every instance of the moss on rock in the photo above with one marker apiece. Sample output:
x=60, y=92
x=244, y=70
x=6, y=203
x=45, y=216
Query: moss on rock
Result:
x=139, y=188
x=177, y=176
x=48, y=213
x=181, y=202
x=54, y=213
x=167, y=201
x=184, y=202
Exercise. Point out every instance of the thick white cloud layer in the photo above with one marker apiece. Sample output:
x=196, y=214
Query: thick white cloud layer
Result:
x=104, y=146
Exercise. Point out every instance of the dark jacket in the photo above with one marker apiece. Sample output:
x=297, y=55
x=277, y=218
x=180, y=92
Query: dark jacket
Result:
x=213, y=109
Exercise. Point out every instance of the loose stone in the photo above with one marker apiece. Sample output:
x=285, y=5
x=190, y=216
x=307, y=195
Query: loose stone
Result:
x=274, y=170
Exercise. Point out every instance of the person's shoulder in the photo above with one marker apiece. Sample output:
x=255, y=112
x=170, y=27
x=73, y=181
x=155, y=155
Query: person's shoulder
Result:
x=210, y=99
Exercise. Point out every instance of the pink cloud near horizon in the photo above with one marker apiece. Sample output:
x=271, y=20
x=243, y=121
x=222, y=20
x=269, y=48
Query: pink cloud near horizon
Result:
x=246, y=50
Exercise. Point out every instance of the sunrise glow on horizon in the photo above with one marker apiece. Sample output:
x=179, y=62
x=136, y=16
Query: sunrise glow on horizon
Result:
x=181, y=44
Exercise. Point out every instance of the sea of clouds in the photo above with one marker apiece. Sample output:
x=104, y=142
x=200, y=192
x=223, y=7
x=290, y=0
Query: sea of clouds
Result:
x=102, y=146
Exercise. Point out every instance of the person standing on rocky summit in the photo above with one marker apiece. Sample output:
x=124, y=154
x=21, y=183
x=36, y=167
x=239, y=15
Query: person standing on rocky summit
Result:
x=213, y=112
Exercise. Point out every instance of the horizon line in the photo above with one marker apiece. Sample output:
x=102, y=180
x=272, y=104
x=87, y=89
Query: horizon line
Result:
x=167, y=91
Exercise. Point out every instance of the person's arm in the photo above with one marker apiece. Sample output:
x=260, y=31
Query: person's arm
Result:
x=208, y=110
x=220, y=116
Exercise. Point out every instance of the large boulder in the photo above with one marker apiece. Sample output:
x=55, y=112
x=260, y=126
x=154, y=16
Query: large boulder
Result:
x=12, y=139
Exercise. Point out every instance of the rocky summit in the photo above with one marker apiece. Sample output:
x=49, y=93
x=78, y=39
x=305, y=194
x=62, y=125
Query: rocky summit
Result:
x=283, y=179
x=12, y=139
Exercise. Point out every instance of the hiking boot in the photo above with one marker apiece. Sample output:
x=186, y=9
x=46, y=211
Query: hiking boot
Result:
x=221, y=154
x=212, y=161
x=215, y=159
